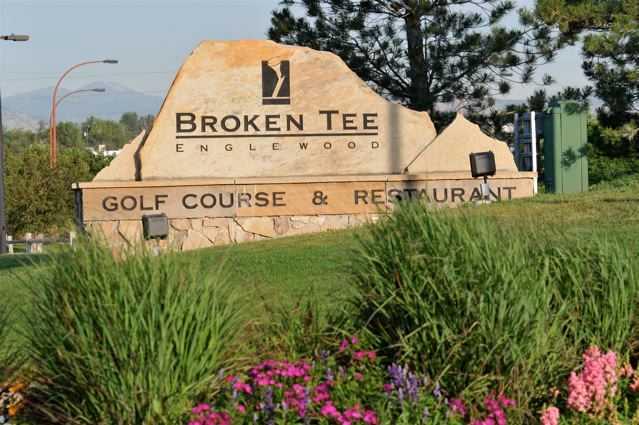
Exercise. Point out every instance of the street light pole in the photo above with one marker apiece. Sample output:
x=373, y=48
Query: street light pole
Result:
x=53, y=134
x=3, y=222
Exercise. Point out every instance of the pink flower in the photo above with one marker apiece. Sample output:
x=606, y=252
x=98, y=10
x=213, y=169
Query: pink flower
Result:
x=370, y=417
x=550, y=416
x=353, y=414
x=343, y=345
x=200, y=408
x=596, y=385
x=321, y=393
x=363, y=355
x=358, y=376
x=241, y=408
x=627, y=371
x=457, y=406
x=506, y=402
x=329, y=411
x=578, y=393
x=243, y=387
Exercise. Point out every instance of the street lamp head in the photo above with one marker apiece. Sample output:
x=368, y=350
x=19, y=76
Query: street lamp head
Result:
x=111, y=61
x=16, y=37
x=99, y=90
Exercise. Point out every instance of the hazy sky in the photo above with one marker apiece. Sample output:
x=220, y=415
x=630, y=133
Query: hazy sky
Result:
x=150, y=38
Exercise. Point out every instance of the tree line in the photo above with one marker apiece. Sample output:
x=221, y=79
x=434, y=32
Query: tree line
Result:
x=91, y=133
x=38, y=198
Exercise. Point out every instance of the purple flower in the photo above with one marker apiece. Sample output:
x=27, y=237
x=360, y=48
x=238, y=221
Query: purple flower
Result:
x=412, y=387
x=405, y=382
x=396, y=374
x=437, y=392
x=324, y=354
x=425, y=413
x=330, y=376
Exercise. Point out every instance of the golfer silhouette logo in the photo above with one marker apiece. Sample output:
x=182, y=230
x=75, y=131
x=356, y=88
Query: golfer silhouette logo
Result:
x=276, y=83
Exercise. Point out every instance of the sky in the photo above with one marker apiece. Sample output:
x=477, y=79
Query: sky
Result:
x=151, y=39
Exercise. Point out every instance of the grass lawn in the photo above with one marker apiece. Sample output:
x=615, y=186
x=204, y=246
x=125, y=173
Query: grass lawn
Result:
x=284, y=270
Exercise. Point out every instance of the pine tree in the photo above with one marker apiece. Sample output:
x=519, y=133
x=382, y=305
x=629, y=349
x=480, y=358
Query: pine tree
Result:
x=610, y=48
x=423, y=52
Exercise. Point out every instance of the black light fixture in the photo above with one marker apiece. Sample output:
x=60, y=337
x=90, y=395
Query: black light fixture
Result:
x=482, y=164
x=155, y=226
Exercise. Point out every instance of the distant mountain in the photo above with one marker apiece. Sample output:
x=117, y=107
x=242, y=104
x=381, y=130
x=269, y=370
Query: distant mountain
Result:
x=22, y=110
x=15, y=120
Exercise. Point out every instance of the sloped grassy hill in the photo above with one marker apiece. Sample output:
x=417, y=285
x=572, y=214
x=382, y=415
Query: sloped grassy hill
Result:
x=283, y=270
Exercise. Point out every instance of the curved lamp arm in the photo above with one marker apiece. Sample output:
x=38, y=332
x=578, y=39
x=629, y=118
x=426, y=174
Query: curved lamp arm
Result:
x=71, y=93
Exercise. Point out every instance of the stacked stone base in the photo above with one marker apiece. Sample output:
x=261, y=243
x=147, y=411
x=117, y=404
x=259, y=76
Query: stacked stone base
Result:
x=196, y=233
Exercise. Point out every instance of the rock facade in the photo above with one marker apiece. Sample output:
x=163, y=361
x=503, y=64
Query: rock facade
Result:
x=196, y=233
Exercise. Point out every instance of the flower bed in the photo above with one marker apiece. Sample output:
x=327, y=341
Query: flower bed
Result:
x=350, y=386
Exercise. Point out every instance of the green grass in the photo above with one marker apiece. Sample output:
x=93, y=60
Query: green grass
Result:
x=282, y=271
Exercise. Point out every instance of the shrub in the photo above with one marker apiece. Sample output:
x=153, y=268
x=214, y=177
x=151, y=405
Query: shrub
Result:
x=40, y=199
x=478, y=306
x=128, y=340
x=606, y=169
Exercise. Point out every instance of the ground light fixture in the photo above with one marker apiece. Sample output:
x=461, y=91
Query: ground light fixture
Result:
x=155, y=226
x=482, y=164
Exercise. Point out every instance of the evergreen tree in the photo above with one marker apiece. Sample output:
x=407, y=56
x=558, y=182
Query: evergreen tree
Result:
x=423, y=52
x=610, y=48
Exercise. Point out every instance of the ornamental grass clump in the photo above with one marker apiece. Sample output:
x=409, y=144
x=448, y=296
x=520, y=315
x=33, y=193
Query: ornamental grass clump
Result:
x=128, y=340
x=5, y=348
x=477, y=306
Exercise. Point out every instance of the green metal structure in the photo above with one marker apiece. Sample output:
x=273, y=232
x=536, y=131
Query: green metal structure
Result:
x=565, y=137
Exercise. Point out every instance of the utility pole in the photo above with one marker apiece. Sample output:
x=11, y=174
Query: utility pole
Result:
x=3, y=221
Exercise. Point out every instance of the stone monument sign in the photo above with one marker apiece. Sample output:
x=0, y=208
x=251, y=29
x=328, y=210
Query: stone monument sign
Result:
x=257, y=139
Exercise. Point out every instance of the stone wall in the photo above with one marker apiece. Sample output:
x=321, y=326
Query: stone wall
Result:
x=195, y=233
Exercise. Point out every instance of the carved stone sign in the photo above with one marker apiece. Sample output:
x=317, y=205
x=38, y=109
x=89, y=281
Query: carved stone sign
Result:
x=264, y=199
x=257, y=130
